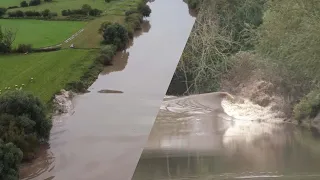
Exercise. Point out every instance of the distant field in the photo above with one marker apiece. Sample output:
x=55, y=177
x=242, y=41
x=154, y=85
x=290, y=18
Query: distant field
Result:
x=41, y=33
x=51, y=70
x=115, y=6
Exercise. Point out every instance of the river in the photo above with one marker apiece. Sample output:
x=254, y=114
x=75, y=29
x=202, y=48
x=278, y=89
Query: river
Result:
x=204, y=137
x=103, y=137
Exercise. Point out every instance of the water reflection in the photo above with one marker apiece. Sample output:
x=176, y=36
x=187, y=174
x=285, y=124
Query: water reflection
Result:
x=192, y=140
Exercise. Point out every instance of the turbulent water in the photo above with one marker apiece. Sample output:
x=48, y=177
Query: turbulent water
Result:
x=205, y=137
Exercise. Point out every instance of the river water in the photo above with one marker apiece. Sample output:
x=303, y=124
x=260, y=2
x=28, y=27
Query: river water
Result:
x=104, y=135
x=205, y=137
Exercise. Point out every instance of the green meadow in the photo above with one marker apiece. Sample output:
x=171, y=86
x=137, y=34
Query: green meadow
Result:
x=50, y=70
x=41, y=33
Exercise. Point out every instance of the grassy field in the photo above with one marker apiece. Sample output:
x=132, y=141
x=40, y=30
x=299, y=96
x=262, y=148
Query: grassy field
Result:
x=51, y=70
x=114, y=7
x=41, y=33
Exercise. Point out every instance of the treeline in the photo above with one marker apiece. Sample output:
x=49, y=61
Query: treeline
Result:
x=85, y=11
x=20, y=14
x=281, y=38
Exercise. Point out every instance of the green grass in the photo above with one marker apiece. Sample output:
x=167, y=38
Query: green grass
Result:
x=7, y=3
x=115, y=6
x=41, y=33
x=51, y=71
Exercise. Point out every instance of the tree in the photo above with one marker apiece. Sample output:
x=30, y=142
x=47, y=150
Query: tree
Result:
x=95, y=12
x=24, y=4
x=10, y=158
x=117, y=35
x=19, y=13
x=106, y=54
x=86, y=8
x=45, y=13
x=2, y=11
x=144, y=10
x=23, y=104
x=34, y=2
x=7, y=38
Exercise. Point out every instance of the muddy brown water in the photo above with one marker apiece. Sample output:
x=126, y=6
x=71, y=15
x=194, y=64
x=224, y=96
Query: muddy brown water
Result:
x=104, y=135
x=204, y=137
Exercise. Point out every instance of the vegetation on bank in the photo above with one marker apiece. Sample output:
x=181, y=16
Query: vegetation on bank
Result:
x=24, y=124
x=24, y=119
x=283, y=36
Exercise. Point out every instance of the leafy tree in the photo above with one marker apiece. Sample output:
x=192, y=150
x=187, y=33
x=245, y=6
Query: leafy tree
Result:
x=117, y=35
x=144, y=10
x=106, y=54
x=34, y=2
x=7, y=37
x=23, y=104
x=19, y=13
x=95, y=12
x=86, y=8
x=10, y=158
x=45, y=13
x=2, y=11
x=24, y=4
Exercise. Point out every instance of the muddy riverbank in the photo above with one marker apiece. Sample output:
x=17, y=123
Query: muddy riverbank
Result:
x=105, y=131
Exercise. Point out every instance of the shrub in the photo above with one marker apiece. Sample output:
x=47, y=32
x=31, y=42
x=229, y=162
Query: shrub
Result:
x=2, y=11
x=134, y=20
x=308, y=107
x=117, y=35
x=65, y=12
x=107, y=1
x=45, y=13
x=86, y=8
x=95, y=12
x=127, y=13
x=106, y=54
x=24, y=4
x=19, y=13
x=34, y=2
x=13, y=7
x=144, y=10
x=103, y=26
x=76, y=86
x=47, y=49
x=47, y=0
x=27, y=108
x=10, y=158
x=23, y=48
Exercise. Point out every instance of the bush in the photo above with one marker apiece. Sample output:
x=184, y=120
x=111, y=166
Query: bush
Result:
x=34, y=2
x=107, y=1
x=13, y=7
x=23, y=48
x=2, y=11
x=45, y=13
x=10, y=158
x=95, y=12
x=77, y=86
x=106, y=54
x=134, y=20
x=24, y=4
x=47, y=49
x=127, y=13
x=65, y=12
x=86, y=9
x=47, y=0
x=144, y=10
x=308, y=107
x=19, y=13
x=27, y=108
x=116, y=34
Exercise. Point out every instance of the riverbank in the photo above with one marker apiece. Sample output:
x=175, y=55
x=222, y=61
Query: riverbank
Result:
x=243, y=34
